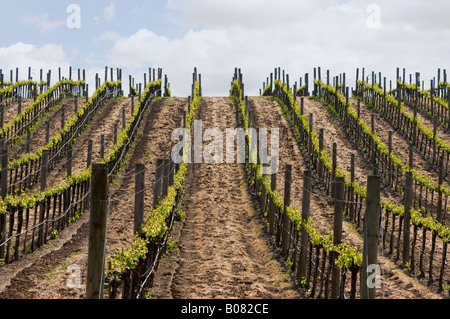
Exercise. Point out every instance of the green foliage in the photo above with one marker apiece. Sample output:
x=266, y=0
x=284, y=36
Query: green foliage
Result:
x=347, y=255
x=39, y=99
x=54, y=234
x=10, y=88
x=416, y=217
x=425, y=131
x=155, y=227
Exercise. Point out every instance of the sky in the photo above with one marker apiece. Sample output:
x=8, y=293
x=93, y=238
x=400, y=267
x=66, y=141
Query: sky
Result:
x=217, y=36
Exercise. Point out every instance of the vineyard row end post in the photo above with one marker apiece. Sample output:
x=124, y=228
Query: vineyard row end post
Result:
x=371, y=229
x=97, y=232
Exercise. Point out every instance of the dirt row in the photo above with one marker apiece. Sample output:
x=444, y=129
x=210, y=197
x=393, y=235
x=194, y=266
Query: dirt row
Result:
x=101, y=123
x=221, y=249
x=38, y=134
x=441, y=131
x=267, y=113
x=44, y=275
x=400, y=146
x=12, y=110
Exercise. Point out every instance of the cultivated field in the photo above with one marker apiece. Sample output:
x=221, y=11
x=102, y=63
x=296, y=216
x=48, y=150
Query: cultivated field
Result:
x=361, y=183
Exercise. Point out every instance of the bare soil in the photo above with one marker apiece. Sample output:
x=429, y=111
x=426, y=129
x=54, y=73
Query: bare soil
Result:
x=396, y=283
x=44, y=275
x=400, y=146
x=11, y=111
x=101, y=123
x=221, y=248
x=37, y=137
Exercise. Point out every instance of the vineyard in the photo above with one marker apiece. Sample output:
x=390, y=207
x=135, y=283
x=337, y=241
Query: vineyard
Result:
x=93, y=204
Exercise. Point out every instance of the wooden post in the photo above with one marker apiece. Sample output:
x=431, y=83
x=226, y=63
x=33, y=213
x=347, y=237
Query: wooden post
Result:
x=285, y=218
x=47, y=132
x=69, y=161
x=371, y=228
x=19, y=109
x=310, y=144
x=158, y=181
x=351, y=189
x=89, y=154
x=439, y=215
x=139, y=188
x=97, y=232
x=302, y=105
x=390, y=173
x=407, y=217
x=434, y=140
x=273, y=207
x=3, y=194
x=411, y=157
x=304, y=240
x=337, y=232
x=62, y=118
x=44, y=170
x=116, y=126
x=359, y=109
x=372, y=123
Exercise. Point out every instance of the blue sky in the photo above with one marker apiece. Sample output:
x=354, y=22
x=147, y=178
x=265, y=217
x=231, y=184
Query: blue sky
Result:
x=216, y=36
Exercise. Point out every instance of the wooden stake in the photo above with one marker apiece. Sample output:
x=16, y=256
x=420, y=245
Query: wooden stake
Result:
x=407, y=217
x=139, y=188
x=97, y=232
x=44, y=170
x=439, y=215
x=304, y=240
x=69, y=161
x=333, y=169
x=285, y=218
x=89, y=154
x=371, y=228
x=337, y=232
x=47, y=132
x=3, y=194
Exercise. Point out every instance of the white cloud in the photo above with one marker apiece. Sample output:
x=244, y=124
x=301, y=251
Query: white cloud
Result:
x=109, y=12
x=22, y=56
x=41, y=22
x=257, y=36
x=109, y=36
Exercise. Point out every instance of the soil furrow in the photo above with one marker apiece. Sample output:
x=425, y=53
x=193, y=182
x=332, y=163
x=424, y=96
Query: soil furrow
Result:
x=223, y=251
x=44, y=275
x=38, y=134
x=395, y=282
